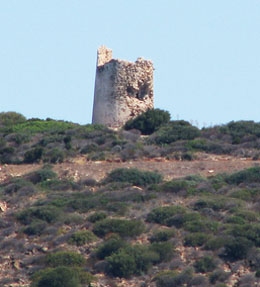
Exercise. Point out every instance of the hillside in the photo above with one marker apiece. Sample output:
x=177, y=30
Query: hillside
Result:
x=88, y=206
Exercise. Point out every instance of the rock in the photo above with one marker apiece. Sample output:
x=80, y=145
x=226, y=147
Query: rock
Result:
x=3, y=206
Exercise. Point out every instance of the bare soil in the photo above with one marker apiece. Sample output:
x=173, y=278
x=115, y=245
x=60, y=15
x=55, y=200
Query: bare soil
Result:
x=79, y=168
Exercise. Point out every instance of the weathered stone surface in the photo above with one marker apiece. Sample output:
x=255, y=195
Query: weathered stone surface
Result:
x=123, y=89
x=3, y=206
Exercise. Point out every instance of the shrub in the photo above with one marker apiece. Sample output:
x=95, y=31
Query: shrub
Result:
x=162, y=235
x=35, y=126
x=162, y=214
x=89, y=148
x=9, y=155
x=196, y=239
x=174, y=131
x=41, y=175
x=58, y=277
x=82, y=237
x=48, y=214
x=11, y=118
x=112, y=245
x=257, y=274
x=173, y=279
x=240, y=130
x=218, y=276
x=37, y=227
x=59, y=184
x=131, y=260
x=175, y=186
x=237, y=248
x=185, y=220
x=216, y=204
x=121, y=264
x=134, y=176
x=61, y=277
x=205, y=264
x=245, y=194
x=16, y=185
x=250, y=231
x=123, y=227
x=64, y=258
x=215, y=243
x=97, y=216
x=163, y=249
x=149, y=121
x=55, y=155
x=201, y=225
x=245, y=176
x=34, y=155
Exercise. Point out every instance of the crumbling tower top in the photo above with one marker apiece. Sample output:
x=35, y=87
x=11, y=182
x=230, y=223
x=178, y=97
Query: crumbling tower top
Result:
x=104, y=55
x=123, y=89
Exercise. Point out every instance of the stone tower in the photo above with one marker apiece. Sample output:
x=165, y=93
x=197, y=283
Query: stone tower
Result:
x=123, y=89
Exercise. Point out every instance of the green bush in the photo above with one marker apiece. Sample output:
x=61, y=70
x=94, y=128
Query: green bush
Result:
x=131, y=260
x=162, y=235
x=201, y=225
x=215, y=243
x=123, y=227
x=35, y=126
x=237, y=248
x=64, y=258
x=110, y=246
x=34, y=155
x=205, y=264
x=174, y=131
x=134, y=176
x=59, y=184
x=16, y=185
x=162, y=214
x=196, y=239
x=121, y=264
x=149, y=121
x=249, y=175
x=97, y=216
x=41, y=175
x=218, y=276
x=89, y=148
x=62, y=276
x=11, y=118
x=257, y=274
x=217, y=204
x=174, y=279
x=241, y=130
x=163, y=249
x=48, y=214
x=37, y=227
x=250, y=231
x=58, y=277
x=175, y=186
x=186, y=220
x=245, y=194
x=81, y=237
x=55, y=155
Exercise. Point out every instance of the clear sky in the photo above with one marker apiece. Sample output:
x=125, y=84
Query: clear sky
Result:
x=205, y=54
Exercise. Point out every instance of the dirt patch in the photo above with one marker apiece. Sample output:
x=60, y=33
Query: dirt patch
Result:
x=80, y=168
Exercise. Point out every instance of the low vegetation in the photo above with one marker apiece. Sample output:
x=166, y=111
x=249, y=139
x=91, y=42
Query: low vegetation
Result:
x=133, y=224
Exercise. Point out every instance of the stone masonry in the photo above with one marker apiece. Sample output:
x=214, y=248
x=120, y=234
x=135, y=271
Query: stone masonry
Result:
x=123, y=89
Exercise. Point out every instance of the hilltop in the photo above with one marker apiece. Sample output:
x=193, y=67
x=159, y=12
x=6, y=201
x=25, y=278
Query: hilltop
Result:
x=168, y=205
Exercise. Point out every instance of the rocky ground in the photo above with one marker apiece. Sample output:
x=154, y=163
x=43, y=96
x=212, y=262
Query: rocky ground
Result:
x=79, y=168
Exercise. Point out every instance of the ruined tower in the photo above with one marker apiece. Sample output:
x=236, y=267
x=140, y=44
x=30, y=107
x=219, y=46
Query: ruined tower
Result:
x=123, y=89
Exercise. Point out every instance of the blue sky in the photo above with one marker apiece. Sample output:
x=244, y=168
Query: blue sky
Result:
x=205, y=54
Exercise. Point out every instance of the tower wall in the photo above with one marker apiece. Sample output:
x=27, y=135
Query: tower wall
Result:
x=123, y=89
